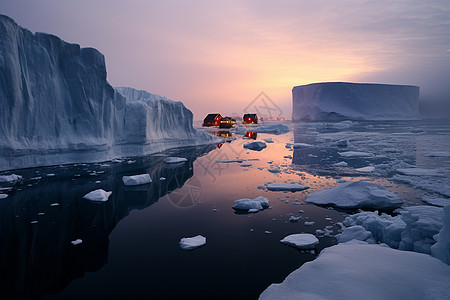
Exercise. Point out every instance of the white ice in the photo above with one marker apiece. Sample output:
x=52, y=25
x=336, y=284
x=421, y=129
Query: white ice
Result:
x=174, y=160
x=301, y=240
x=98, y=195
x=190, y=243
x=352, y=271
x=437, y=201
x=13, y=178
x=292, y=187
x=359, y=194
x=3, y=196
x=257, y=146
x=368, y=169
x=258, y=203
x=136, y=179
x=76, y=242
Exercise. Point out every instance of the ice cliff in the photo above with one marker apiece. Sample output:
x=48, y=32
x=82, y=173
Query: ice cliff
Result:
x=334, y=101
x=56, y=106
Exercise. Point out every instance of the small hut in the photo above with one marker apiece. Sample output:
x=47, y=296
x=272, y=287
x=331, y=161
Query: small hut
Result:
x=212, y=120
x=250, y=119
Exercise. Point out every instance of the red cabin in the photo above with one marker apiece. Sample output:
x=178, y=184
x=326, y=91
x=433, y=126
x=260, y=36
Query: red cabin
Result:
x=212, y=120
x=250, y=119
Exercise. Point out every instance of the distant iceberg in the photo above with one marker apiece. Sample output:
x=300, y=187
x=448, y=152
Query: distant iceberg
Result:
x=56, y=106
x=336, y=101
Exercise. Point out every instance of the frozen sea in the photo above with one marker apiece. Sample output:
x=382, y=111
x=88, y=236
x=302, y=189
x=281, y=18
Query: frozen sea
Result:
x=57, y=245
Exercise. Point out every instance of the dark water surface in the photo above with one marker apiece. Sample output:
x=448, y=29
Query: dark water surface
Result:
x=130, y=243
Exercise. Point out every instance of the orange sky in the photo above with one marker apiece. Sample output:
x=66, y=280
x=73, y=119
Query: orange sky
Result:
x=217, y=56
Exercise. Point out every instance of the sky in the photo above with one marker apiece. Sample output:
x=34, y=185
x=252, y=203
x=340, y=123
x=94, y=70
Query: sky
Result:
x=234, y=56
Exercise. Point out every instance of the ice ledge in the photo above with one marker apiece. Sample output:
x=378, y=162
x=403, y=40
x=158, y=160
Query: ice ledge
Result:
x=334, y=101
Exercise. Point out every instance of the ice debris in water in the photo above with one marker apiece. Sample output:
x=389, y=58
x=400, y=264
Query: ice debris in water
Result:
x=98, y=195
x=301, y=240
x=247, y=204
x=136, y=179
x=190, y=243
x=256, y=146
x=174, y=160
x=291, y=187
x=237, y=160
x=13, y=178
x=76, y=242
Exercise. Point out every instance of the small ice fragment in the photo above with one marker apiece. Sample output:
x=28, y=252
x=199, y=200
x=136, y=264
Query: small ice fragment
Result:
x=136, y=179
x=76, y=242
x=162, y=178
x=274, y=170
x=97, y=195
x=174, y=160
x=40, y=214
x=292, y=187
x=294, y=219
x=268, y=232
x=368, y=169
x=301, y=211
x=191, y=243
x=229, y=160
x=98, y=181
x=341, y=164
x=54, y=204
x=309, y=223
x=33, y=222
x=3, y=196
x=13, y=178
x=301, y=240
x=246, y=165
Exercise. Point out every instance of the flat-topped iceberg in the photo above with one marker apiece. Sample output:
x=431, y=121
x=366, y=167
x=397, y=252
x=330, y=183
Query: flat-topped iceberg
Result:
x=301, y=240
x=356, y=194
x=56, y=106
x=191, y=243
x=335, y=101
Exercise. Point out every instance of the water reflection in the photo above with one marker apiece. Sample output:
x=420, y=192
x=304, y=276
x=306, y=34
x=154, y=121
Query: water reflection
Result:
x=251, y=135
x=43, y=215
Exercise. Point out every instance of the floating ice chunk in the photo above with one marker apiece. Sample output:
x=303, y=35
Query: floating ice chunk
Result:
x=52, y=174
x=229, y=160
x=368, y=169
x=13, y=178
x=309, y=223
x=292, y=187
x=439, y=154
x=355, y=154
x=98, y=195
x=174, y=160
x=301, y=145
x=294, y=219
x=274, y=170
x=417, y=172
x=356, y=232
x=162, y=178
x=268, y=140
x=258, y=203
x=301, y=240
x=3, y=196
x=267, y=232
x=441, y=249
x=256, y=146
x=136, y=179
x=370, y=271
x=54, y=204
x=437, y=201
x=76, y=242
x=191, y=243
x=341, y=164
x=359, y=194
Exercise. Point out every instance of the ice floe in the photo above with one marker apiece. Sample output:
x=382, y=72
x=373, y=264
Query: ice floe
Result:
x=190, y=243
x=247, y=204
x=136, y=179
x=301, y=240
x=362, y=271
x=174, y=160
x=356, y=194
x=98, y=195
x=341, y=164
x=3, y=196
x=291, y=187
x=256, y=146
x=13, y=178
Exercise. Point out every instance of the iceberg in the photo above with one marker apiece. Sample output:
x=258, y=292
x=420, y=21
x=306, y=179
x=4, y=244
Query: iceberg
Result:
x=98, y=195
x=337, y=101
x=361, y=271
x=57, y=107
x=136, y=179
x=301, y=241
x=251, y=205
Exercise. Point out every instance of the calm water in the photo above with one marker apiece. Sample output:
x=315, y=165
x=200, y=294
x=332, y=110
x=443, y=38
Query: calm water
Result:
x=130, y=243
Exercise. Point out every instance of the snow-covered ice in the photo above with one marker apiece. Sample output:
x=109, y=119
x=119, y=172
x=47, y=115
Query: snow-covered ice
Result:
x=291, y=187
x=334, y=101
x=356, y=194
x=301, y=240
x=190, y=243
x=174, y=160
x=341, y=164
x=361, y=271
x=98, y=195
x=247, y=204
x=356, y=232
x=136, y=179
x=257, y=146
x=274, y=170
